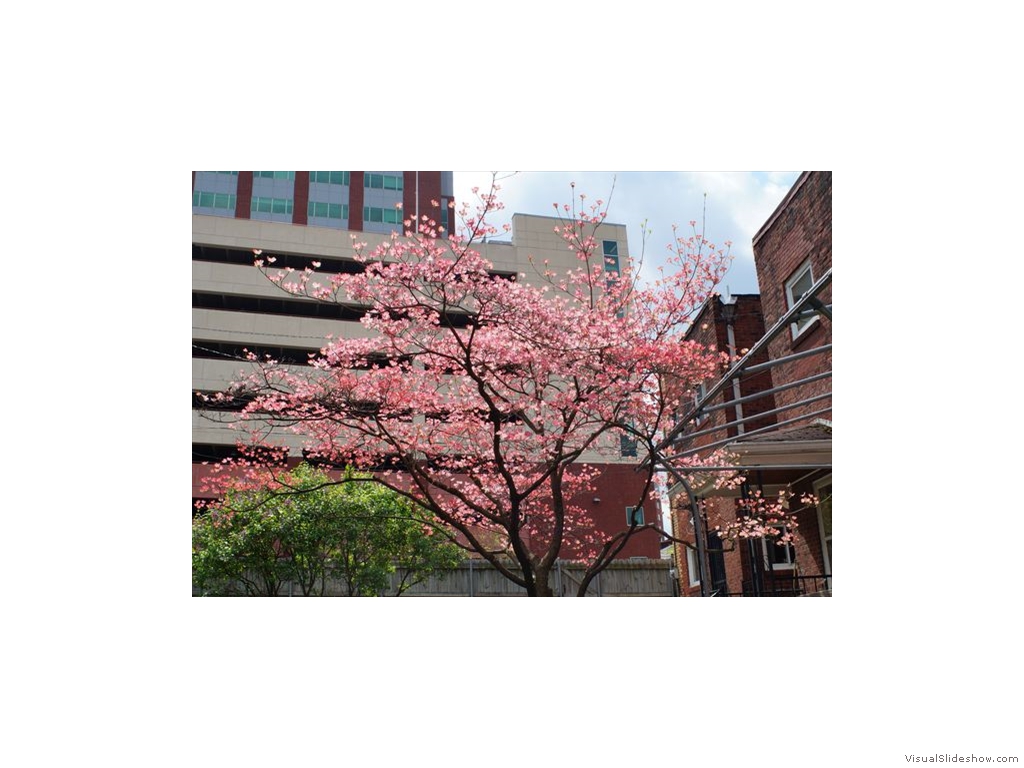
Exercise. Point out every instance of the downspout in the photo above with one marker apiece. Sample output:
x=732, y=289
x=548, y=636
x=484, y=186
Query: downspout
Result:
x=729, y=313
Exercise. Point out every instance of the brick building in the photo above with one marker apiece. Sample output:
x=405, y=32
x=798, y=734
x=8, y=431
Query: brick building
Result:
x=783, y=439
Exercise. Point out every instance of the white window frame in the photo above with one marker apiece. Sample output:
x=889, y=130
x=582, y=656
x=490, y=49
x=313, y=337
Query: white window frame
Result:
x=692, y=567
x=825, y=557
x=629, y=515
x=698, y=394
x=765, y=543
x=798, y=329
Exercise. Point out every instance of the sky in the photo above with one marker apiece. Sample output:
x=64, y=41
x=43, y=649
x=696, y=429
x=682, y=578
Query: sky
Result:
x=737, y=204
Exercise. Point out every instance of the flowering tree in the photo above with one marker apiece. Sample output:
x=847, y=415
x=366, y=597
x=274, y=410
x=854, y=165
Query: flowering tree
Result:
x=480, y=398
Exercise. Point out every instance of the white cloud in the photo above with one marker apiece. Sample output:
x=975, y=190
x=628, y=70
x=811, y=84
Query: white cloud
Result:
x=737, y=204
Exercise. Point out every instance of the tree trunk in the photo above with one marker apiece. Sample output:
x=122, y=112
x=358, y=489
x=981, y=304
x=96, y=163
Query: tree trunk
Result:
x=542, y=584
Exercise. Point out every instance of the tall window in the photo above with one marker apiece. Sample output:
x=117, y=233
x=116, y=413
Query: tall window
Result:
x=823, y=490
x=692, y=567
x=796, y=287
x=610, y=249
x=698, y=394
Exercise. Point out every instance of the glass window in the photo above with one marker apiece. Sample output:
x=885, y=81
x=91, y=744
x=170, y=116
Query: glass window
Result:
x=634, y=515
x=330, y=177
x=288, y=175
x=611, y=256
x=272, y=205
x=327, y=210
x=692, y=567
x=698, y=394
x=823, y=490
x=796, y=287
x=382, y=181
x=220, y=200
x=778, y=556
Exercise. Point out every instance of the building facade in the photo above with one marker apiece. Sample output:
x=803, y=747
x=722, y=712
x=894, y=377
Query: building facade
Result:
x=235, y=309
x=356, y=201
x=787, y=446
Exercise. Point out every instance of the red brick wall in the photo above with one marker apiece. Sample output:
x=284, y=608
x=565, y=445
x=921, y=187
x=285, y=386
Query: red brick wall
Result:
x=243, y=200
x=300, y=208
x=355, y=201
x=619, y=486
x=799, y=230
x=430, y=189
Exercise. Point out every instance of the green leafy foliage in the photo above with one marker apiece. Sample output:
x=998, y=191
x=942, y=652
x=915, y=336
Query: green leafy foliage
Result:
x=309, y=530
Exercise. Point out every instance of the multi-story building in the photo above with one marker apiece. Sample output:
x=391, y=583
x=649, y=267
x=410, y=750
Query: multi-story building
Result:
x=302, y=216
x=357, y=201
x=732, y=323
x=788, y=446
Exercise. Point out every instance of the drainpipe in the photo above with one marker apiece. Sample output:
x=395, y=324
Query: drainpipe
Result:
x=729, y=313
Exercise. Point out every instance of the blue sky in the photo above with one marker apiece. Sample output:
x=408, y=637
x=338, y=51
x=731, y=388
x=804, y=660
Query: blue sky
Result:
x=738, y=203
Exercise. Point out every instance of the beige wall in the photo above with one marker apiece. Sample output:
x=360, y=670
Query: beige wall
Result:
x=532, y=236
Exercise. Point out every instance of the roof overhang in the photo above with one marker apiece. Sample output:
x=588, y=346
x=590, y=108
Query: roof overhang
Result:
x=812, y=453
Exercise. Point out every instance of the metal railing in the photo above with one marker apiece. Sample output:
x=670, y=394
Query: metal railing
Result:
x=789, y=585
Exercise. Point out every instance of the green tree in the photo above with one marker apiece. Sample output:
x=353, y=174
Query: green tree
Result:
x=307, y=529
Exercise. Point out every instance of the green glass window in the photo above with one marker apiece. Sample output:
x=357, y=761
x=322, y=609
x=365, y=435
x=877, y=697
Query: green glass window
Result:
x=328, y=210
x=382, y=181
x=383, y=215
x=213, y=200
x=271, y=205
x=330, y=177
x=287, y=175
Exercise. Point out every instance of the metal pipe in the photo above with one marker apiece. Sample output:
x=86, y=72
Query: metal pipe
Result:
x=769, y=428
x=737, y=394
x=772, y=391
x=741, y=467
x=787, y=359
x=712, y=430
